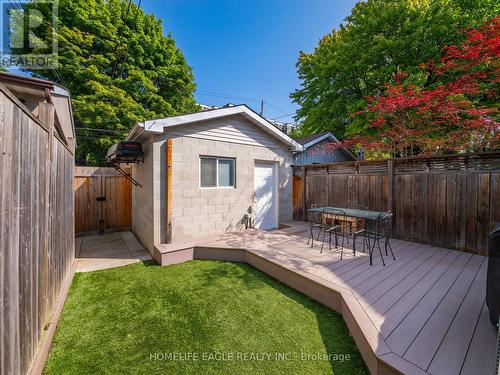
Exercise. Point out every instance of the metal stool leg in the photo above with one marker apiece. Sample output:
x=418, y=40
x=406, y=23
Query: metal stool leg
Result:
x=354, y=245
x=342, y=248
x=370, y=251
x=323, y=242
x=319, y=233
x=379, y=250
x=387, y=244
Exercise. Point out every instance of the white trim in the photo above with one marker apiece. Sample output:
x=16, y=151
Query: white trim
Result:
x=276, y=167
x=276, y=197
x=58, y=90
x=216, y=158
x=157, y=126
x=137, y=131
x=319, y=139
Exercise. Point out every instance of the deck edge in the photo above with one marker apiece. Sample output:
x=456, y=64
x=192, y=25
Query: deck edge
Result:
x=375, y=352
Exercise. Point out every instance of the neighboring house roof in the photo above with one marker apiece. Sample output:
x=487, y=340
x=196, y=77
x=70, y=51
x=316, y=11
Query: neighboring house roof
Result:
x=157, y=126
x=311, y=140
x=315, y=138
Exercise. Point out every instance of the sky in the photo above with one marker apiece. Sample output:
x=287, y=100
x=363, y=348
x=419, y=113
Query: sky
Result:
x=245, y=51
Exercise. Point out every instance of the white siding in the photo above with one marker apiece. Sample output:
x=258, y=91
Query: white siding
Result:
x=233, y=129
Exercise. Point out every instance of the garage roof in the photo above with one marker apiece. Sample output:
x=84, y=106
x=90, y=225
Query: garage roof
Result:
x=157, y=126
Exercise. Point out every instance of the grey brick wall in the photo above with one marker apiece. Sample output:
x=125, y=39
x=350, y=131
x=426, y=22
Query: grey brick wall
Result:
x=142, y=198
x=202, y=211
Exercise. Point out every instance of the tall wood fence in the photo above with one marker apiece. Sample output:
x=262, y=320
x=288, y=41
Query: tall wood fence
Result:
x=102, y=200
x=36, y=227
x=450, y=201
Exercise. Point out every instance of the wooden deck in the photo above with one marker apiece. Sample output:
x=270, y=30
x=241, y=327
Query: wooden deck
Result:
x=423, y=313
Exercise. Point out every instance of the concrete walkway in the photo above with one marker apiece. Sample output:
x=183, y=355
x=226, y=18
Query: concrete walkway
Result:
x=108, y=250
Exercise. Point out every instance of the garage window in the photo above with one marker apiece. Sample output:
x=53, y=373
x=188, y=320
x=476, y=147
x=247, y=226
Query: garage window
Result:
x=217, y=172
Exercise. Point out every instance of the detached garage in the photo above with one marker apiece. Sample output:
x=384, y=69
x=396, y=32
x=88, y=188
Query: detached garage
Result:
x=210, y=172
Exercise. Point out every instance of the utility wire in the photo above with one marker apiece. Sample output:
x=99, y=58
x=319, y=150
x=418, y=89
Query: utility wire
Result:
x=288, y=115
x=14, y=6
x=88, y=137
x=276, y=108
x=102, y=130
x=61, y=79
x=56, y=72
x=222, y=95
x=234, y=97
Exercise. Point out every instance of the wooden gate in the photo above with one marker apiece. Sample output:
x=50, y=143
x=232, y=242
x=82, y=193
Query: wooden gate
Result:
x=102, y=200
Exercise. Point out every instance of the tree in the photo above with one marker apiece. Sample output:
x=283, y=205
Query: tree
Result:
x=460, y=112
x=379, y=39
x=119, y=68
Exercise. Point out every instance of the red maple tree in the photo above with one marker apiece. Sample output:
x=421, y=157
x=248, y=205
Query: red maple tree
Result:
x=458, y=112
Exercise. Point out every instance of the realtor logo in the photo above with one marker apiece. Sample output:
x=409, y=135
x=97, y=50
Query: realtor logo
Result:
x=29, y=34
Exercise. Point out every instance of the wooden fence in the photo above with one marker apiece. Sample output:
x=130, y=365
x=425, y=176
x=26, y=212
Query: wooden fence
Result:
x=102, y=200
x=36, y=227
x=450, y=201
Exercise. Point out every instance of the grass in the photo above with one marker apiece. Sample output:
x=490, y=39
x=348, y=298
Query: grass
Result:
x=232, y=318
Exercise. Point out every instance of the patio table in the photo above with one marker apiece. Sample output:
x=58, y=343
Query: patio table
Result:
x=364, y=218
x=351, y=212
x=363, y=215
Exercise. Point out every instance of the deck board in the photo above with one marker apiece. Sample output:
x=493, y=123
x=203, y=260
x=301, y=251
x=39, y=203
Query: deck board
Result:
x=400, y=278
x=426, y=343
x=379, y=307
x=427, y=306
x=398, y=311
x=451, y=353
x=401, y=338
x=353, y=271
x=479, y=360
x=360, y=271
x=363, y=267
x=362, y=284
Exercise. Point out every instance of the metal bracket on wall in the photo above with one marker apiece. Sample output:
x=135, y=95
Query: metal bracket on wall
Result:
x=125, y=174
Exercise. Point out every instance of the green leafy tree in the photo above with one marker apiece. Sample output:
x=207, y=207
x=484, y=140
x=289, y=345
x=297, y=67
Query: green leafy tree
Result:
x=459, y=115
x=119, y=68
x=377, y=41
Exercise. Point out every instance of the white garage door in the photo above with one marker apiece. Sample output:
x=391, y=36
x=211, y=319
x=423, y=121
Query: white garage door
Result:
x=265, y=213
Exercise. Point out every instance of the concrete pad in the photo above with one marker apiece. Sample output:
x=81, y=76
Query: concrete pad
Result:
x=109, y=250
x=127, y=235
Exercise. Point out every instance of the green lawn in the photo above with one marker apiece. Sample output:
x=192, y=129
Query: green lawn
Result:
x=200, y=317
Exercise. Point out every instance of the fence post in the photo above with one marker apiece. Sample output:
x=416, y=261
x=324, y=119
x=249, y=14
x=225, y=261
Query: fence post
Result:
x=46, y=114
x=390, y=185
x=304, y=174
x=391, y=206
